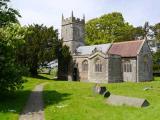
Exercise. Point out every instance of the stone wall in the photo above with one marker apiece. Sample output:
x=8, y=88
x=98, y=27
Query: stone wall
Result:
x=72, y=19
x=79, y=32
x=111, y=68
x=98, y=77
x=82, y=75
x=145, y=70
x=130, y=76
x=114, y=69
x=72, y=33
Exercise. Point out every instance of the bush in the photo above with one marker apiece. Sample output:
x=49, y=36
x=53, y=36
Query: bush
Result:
x=10, y=71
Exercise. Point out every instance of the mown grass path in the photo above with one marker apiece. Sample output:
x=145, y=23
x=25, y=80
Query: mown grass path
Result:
x=34, y=106
x=13, y=105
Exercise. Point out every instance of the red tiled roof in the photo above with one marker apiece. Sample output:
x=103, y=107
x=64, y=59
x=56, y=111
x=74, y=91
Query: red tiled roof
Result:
x=126, y=49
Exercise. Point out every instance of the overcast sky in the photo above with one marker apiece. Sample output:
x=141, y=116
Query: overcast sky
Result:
x=49, y=12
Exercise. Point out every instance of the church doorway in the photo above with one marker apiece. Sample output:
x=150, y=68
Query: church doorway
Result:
x=75, y=74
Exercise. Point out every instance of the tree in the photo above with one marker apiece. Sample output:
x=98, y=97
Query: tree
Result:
x=108, y=28
x=7, y=14
x=64, y=60
x=156, y=29
x=144, y=32
x=156, y=61
x=11, y=37
x=139, y=33
x=39, y=48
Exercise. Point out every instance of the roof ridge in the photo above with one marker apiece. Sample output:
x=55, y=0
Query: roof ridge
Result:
x=94, y=45
x=129, y=41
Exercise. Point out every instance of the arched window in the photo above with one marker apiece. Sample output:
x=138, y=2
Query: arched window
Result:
x=85, y=65
x=98, y=66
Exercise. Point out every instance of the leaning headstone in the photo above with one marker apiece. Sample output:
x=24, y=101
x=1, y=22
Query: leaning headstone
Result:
x=106, y=94
x=97, y=89
x=129, y=101
x=102, y=90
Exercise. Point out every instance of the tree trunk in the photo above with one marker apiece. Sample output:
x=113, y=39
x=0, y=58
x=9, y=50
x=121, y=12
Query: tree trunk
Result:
x=33, y=71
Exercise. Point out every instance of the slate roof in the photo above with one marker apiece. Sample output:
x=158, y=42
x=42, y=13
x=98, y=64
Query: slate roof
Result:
x=126, y=49
x=87, y=50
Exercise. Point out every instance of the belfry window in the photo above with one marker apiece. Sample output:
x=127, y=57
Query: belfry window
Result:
x=85, y=65
x=98, y=66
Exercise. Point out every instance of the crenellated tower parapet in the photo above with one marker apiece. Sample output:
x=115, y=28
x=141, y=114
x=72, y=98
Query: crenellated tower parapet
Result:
x=72, y=19
x=73, y=32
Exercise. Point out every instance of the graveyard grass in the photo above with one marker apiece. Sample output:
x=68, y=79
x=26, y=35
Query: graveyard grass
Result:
x=12, y=106
x=76, y=101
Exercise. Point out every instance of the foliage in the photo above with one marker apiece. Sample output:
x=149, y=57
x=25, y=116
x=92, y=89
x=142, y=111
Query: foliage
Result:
x=108, y=28
x=64, y=59
x=156, y=29
x=7, y=14
x=144, y=32
x=156, y=56
x=112, y=28
x=11, y=37
x=54, y=72
x=156, y=61
x=39, y=48
x=139, y=32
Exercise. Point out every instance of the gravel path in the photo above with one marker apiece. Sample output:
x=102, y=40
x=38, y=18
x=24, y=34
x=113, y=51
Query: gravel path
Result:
x=34, y=106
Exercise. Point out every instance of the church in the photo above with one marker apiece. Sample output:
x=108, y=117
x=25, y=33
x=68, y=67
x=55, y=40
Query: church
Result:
x=105, y=63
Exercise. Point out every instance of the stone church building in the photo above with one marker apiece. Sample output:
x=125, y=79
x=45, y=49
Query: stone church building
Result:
x=105, y=63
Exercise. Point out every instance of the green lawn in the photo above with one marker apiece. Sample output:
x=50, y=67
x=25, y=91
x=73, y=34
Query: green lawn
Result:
x=75, y=101
x=11, y=107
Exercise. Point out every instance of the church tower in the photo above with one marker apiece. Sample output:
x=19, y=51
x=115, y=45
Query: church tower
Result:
x=72, y=32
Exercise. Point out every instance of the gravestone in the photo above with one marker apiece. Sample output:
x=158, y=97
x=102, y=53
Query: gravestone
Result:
x=129, y=101
x=106, y=94
x=101, y=90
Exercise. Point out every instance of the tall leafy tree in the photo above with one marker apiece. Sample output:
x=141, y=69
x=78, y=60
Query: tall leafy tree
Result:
x=11, y=37
x=156, y=61
x=156, y=29
x=40, y=46
x=64, y=61
x=156, y=56
x=144, y=32
x=7, y=14
x=108, y=28
x=139, y=32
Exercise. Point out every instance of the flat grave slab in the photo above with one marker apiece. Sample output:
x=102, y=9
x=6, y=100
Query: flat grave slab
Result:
x=128, y=101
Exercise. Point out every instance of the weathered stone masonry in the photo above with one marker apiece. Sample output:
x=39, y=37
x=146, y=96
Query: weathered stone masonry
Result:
x=105, y=63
